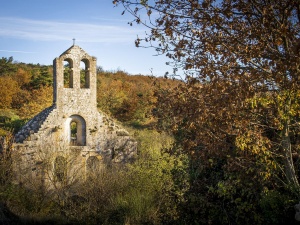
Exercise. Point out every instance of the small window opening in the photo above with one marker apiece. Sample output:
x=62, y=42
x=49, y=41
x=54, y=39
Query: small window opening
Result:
x=60, y=168
x=76, y=130
x=92, y=164
x=73, y=127
x=68, y=73
x=84, y=74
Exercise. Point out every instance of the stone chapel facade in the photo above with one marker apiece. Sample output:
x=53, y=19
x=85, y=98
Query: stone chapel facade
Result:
x=73, y=127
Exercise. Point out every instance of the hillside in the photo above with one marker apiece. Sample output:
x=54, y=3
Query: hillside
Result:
x=26, y=89
x=218, y=157
x=139, y=191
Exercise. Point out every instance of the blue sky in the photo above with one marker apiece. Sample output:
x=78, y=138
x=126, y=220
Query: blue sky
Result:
x=37, y=31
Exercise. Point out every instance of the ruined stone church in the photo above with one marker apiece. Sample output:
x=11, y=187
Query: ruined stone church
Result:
x=72, y=130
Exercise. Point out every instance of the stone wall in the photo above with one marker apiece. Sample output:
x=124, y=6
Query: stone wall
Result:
x=96, y=137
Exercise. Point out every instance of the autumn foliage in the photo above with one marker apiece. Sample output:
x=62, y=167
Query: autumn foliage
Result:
x=26, y=90
x=237, y=112
x=129, y=98
x=139, y=193
x=235, y=117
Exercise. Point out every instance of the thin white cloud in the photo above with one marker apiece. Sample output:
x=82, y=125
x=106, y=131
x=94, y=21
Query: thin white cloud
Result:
x=15, y=51
x=56, y=31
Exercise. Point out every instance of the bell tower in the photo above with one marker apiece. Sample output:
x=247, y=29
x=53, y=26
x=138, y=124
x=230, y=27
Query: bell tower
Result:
x=74, y=94
x=74, y=80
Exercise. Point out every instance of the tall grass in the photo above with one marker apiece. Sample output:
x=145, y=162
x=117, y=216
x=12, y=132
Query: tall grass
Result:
x=142, y=192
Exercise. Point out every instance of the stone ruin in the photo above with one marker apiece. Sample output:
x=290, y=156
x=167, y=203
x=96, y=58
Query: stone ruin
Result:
x=72, y=131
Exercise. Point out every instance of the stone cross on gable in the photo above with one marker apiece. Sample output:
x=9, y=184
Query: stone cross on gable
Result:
x=73, y=41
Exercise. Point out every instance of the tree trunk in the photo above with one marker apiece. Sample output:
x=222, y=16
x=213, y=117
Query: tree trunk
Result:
x=287, y=149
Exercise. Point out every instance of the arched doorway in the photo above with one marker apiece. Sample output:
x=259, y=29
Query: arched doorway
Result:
x=76, y=130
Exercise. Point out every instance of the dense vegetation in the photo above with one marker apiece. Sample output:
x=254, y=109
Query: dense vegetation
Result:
x=140, y=193
x=228, y=147
x=25, y=90
x=236, y=115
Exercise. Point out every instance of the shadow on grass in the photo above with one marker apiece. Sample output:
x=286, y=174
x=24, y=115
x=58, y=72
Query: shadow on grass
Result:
x=9, y=218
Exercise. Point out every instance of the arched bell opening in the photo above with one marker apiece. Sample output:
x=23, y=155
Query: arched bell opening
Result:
x=68, y=73
x=84, y=73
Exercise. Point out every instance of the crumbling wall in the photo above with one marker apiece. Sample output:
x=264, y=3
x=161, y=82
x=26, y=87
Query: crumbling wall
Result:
x=47, y=135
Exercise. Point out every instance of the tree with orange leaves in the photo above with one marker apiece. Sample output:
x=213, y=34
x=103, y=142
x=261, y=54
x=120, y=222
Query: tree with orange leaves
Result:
x=239, y=103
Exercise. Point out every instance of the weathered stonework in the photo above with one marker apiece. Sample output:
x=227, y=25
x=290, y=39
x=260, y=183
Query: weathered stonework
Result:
x=95, y=136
